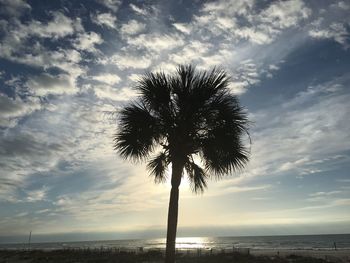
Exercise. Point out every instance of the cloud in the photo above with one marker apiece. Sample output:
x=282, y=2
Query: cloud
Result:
x=182, y=27
x=22, y=154
x=45, y=84
x=335, y=31
x=105, y=19
x=107, y=78
x=138, y=10
x=17, y=43
x=111, y=196
x=133, y=27
x=88, y=41
x=130, y=61
x=191, y=52
x=225, y=189
x=60, y=26
x=116, y=94
x=285, y=14
x=326, y=197
x=8, y=189
x=37, y=195
x=236, y=7
x=14, y=109
x=263, y=25
x=156, y=42
x=111, y=4
x=246, y=74
x=297, y=130
x=14, y=7
x=343, y=5
x=26, y=145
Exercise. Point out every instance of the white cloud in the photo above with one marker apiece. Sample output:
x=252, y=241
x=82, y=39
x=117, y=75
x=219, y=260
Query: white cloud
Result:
x=88, y=41
x=111, y=4
x=245, y=75
x=224, y=189
x=263, y=26
x=15, y=44
x=131, y=61
x=14, y=109
x=317, y=194
x=60, y=26
x=221, y=57
x=133, y=27
x=335, y=31
x=116, y=94
x=105, y=19
x=240, y=7
x=138, y=10
x=182, y=27
x=15, y=47
x=255, y=35
x=107, y=78
x=37, y=195
x=157, y=42
x=297, y=129
x=45, y=84
x=191, y=52
x=285, y=14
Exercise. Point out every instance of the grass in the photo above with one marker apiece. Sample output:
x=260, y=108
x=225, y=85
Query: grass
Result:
x=96, y=256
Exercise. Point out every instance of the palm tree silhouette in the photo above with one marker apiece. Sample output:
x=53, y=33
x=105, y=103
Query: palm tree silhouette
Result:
x=195, y=121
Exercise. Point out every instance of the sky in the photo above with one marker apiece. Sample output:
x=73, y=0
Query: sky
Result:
x=67, y=66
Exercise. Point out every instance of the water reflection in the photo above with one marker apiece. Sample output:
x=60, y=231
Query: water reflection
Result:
x=191, y=242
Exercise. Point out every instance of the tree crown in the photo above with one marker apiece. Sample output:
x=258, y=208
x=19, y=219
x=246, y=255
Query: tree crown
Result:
x=190, y=115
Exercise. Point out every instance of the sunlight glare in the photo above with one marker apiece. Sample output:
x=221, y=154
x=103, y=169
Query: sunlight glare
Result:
x=190, y=242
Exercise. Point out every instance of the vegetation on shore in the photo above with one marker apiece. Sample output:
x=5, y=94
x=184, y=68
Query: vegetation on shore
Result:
x=67, y=256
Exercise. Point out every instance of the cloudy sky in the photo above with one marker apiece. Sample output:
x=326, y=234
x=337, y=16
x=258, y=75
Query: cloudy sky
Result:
x=66, y=65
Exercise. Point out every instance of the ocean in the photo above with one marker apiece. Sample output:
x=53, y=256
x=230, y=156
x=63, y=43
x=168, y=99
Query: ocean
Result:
x=296, y=242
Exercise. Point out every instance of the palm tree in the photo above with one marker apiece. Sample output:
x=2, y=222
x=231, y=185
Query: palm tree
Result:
x=197, y=124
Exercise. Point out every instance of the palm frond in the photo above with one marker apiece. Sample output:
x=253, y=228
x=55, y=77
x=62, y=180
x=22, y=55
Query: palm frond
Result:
x=138, y=132
x=197, y=177
x=189, y=112
x=222, y=145
x=226, y=110
x=222, y=159
x=157, y=167
x=154, y=90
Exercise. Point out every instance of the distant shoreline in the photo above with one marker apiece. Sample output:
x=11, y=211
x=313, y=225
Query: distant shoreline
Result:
x=57, y=238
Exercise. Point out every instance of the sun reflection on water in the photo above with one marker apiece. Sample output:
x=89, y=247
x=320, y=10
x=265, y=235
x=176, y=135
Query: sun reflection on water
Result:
x=191, y=242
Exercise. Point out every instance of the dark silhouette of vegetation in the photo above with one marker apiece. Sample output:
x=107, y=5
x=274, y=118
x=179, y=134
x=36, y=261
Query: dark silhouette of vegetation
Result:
x=198, y=124
x=96, y=256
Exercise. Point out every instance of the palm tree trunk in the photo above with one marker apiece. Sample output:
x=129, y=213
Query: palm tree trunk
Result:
x=173, y=213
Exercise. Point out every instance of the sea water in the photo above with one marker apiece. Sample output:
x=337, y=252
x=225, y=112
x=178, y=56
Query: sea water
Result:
x=296, y=242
